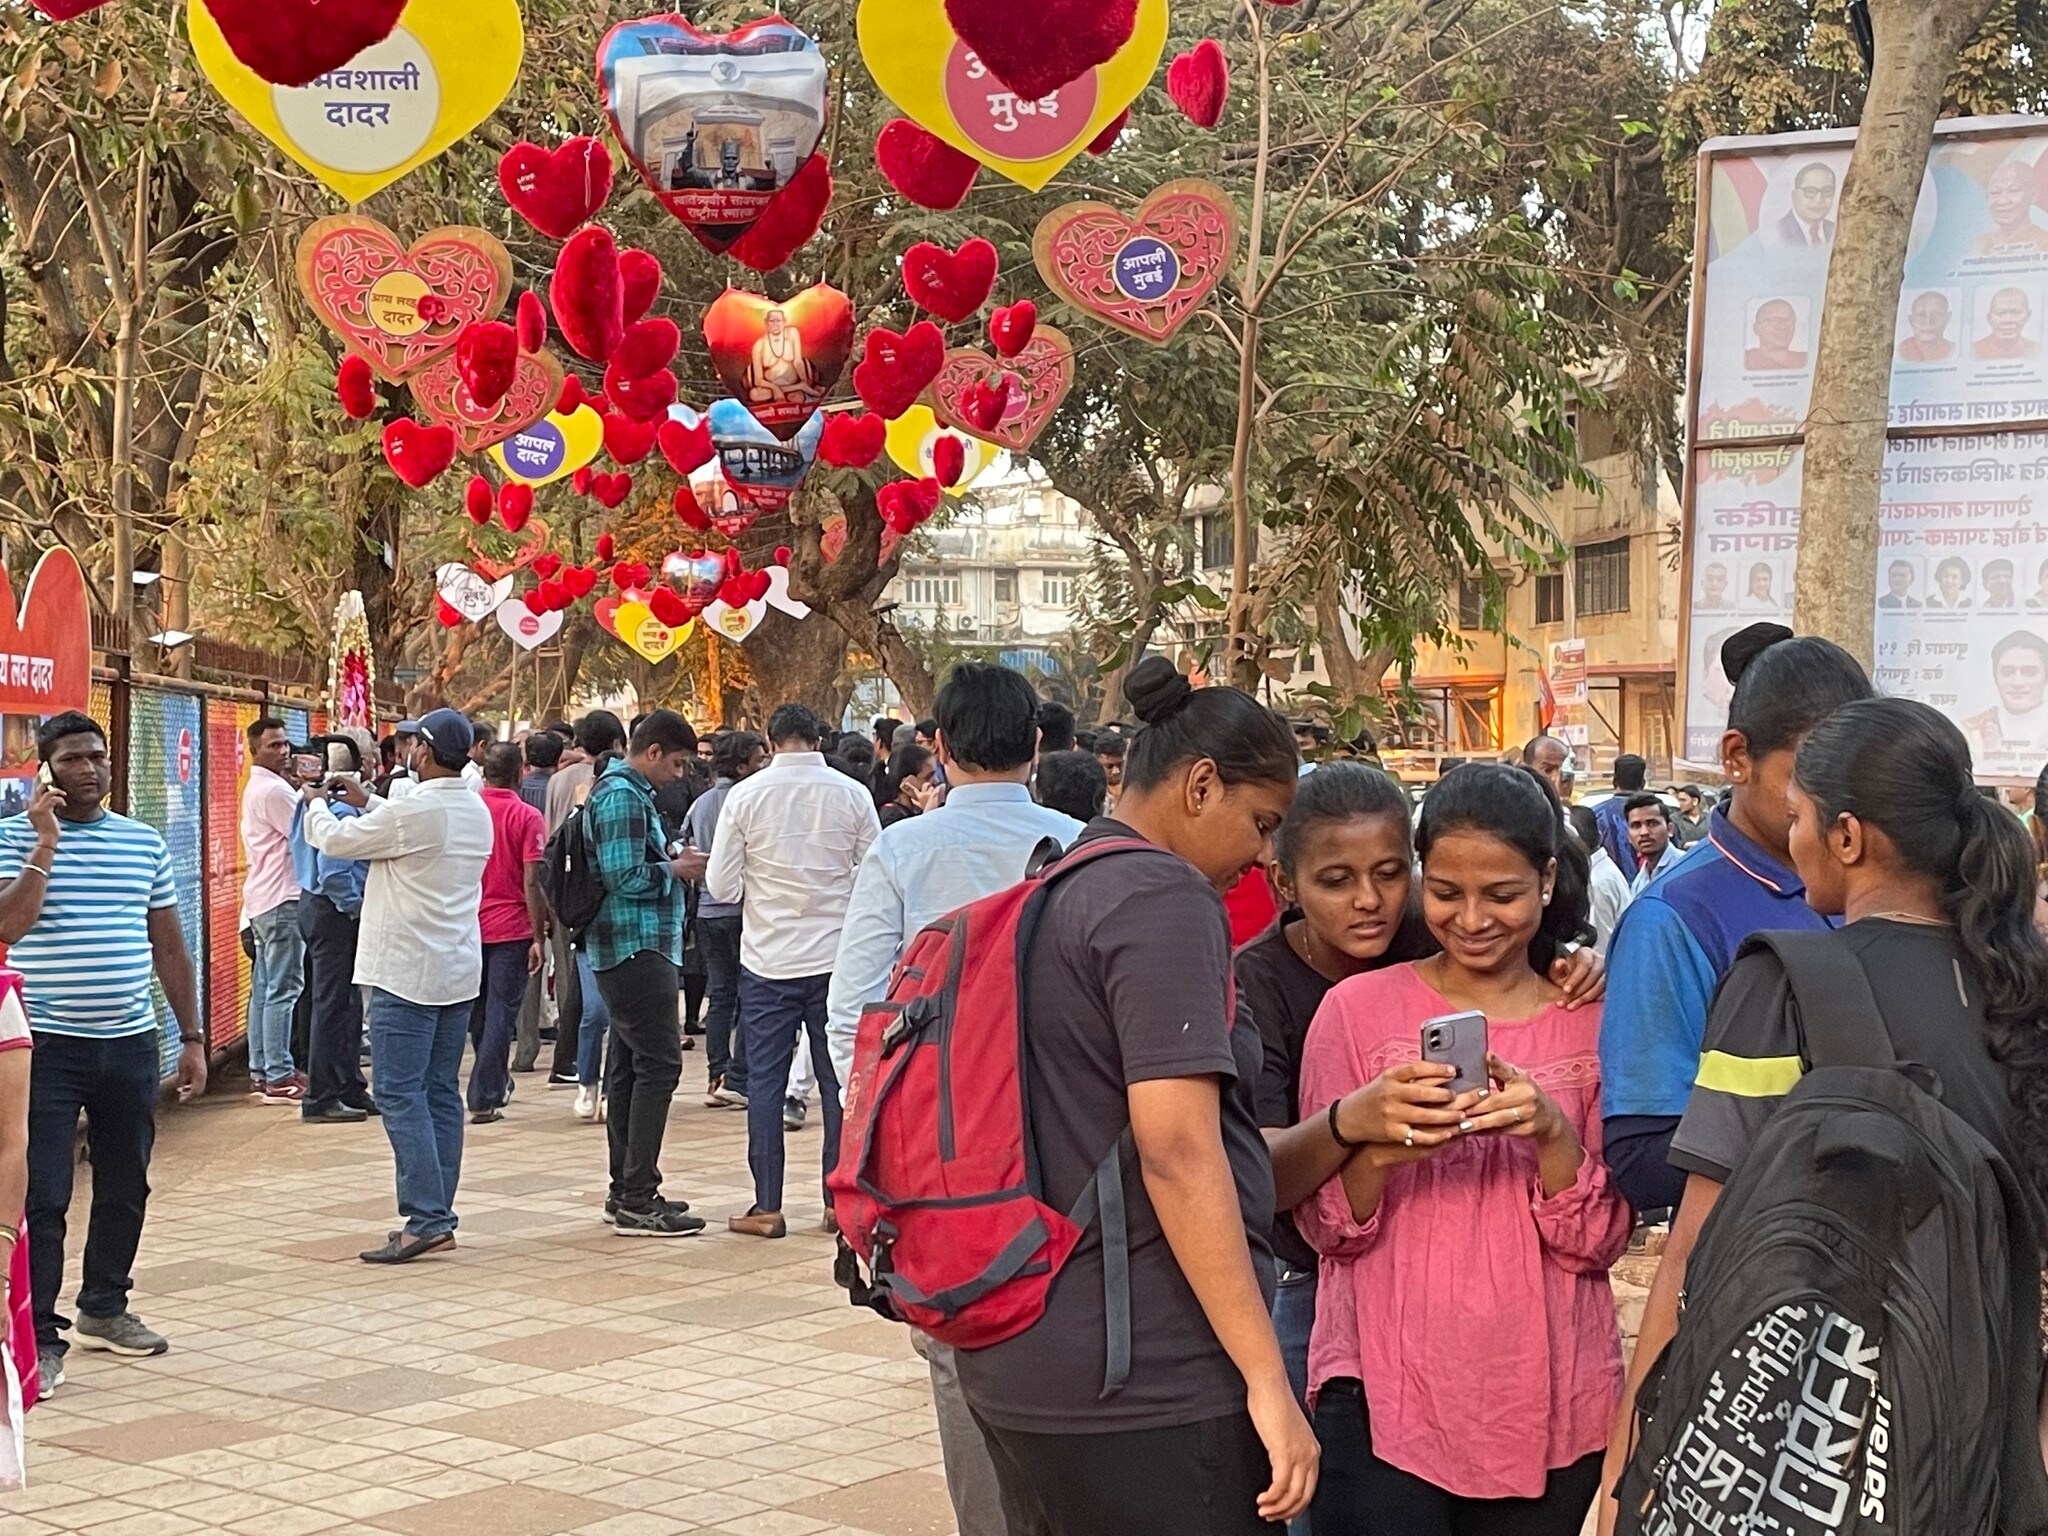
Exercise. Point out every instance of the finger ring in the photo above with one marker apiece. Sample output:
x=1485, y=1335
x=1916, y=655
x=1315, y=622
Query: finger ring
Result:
x=1518, y=1111
x=1409, y=1139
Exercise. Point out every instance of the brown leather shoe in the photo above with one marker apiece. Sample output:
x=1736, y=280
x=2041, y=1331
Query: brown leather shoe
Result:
x=758, y=1224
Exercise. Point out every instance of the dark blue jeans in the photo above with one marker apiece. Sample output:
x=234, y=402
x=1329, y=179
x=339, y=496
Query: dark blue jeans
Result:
x=334, y=1064
x=417, y=1048
x=115, y=1084
x=1294, y=1319
x=775, y=1015
x=725, y=1049
x=493, y=1020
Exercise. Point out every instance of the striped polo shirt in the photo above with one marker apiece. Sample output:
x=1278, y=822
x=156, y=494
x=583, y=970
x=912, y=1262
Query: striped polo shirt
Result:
x=86, y=963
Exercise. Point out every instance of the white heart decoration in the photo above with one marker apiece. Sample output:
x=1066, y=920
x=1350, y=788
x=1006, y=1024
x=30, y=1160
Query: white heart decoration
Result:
x=778, y=594
x=736, y=623
x=526, y=628
x=468, y=593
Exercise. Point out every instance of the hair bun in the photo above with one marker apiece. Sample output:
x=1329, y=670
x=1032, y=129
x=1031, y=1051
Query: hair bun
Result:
x=1745, y=645
x=1156, y=689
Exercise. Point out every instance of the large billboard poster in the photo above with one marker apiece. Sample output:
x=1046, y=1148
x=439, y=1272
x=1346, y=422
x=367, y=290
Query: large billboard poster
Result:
x=1961, y=599
x=227, y=967
x=164, y=790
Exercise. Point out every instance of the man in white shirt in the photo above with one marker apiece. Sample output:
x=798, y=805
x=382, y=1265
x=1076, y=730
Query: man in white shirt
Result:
x=270, y=899
x=420, y=952
x=789, y=842
x=975, y=844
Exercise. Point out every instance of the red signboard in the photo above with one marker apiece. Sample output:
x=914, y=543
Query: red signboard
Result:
x=46, y=643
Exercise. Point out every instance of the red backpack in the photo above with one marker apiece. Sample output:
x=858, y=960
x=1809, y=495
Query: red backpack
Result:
x=937, y=1191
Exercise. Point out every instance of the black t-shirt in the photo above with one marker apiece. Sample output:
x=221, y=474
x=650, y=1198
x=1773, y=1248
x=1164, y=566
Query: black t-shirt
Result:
x=1753, y=1053
x=1126, y=983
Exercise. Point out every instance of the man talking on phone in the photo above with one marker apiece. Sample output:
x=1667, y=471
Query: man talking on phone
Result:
x=89, y=913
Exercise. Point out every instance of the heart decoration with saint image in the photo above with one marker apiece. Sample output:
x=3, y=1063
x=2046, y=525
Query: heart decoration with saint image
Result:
x=1144, y=273
x=780, y=360
x=1039, y=377
x=763, y=470
x=533, y=542
x=399, y=307
x=930, y=70
x=443, y=397
x=525, y=628
x=717, y=123
x=471, y=593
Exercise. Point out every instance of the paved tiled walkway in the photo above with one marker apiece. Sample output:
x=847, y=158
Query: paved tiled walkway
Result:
x=546, y=1377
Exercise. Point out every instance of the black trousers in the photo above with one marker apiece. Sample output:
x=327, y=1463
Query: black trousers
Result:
x=568, y=1003
x=1360, y=1495
x=641, y=1071
x=1199, y=1479
x=334, y=1058
x=115, y=1084
x=725, y=1046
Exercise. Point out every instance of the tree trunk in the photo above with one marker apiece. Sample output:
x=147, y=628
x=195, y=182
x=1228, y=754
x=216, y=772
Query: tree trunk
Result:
x=796, y=661
x=1836, y=582
x=1339, y=660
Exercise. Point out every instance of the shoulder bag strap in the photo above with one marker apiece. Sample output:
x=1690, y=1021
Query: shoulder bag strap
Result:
x=1840, y=1023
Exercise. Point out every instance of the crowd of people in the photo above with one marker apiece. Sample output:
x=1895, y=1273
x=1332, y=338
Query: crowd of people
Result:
x=1382, y=1090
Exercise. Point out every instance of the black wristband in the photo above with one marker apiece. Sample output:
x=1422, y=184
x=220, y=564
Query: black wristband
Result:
x=1337, y=1135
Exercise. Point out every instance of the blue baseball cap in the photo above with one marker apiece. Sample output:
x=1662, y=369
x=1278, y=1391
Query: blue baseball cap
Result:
x=449, y=736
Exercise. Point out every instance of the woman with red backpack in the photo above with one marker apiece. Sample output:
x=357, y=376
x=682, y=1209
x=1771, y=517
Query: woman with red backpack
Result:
x=1128, y=1028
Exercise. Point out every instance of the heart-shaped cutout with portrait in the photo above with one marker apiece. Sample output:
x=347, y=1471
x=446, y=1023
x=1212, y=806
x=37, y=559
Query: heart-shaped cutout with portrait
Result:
x=444, y=398
x=780, y=359
x=471, y=593
x=398, y=307
x=717, y=123
x=762, y=469
x=1145, y=272
x=1038, y=377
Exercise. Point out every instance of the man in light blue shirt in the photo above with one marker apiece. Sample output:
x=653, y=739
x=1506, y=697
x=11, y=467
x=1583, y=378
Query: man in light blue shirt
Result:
x=974, y=845
x=330, y=913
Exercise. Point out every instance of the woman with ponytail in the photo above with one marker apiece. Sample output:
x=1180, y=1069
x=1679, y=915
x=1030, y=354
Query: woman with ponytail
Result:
x=1128, y=1030
x=1934, y=884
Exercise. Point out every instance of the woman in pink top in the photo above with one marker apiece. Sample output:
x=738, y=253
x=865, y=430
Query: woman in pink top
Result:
x=1466, y=1364
x=17, y=1315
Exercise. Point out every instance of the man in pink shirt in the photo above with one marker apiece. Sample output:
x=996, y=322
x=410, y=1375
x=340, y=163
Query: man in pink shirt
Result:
x=514, y=920
x=270, y=901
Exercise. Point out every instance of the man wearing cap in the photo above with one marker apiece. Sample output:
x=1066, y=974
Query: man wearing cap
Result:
x=420, y=952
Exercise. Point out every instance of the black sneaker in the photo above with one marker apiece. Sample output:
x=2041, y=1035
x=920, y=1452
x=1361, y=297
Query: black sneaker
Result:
x=659, y=1220
x=122, y=1334
x=557, y=1080
x=364, y=1102
x=334, y=1112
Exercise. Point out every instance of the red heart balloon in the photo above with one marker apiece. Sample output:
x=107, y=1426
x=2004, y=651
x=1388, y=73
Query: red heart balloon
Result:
x=476, y=500
x=1199, y=81
x=628, y=441
x=295, y=42
x=611, y=490
x=536, y=602
x=686, y=448
x=1036, y=49
x=557, y=193
x=640, y=276
x=546, y=565
x=445, y=612
x=355, y=386
x=690, y=510
x=533, y=323
x=417, y=454
x=923, y=166
x=1010, y=328
x=951, y=284
x=587, y=294
x=487, y=358
x=583, y=479
x=949, y=460
x=985, y=401
x=580, y=580
x=644, y=399
x=606, y=547
x=787, y=223
x=852, y=442
x=648, y=347
x=515, y=504
x=572, y=398
x=896, y=368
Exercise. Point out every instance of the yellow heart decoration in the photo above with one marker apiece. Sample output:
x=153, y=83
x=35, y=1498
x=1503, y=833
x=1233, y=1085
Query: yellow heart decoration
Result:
x=935, y=80
x=553, y=448
x=391, y=108
x=641, y=630
x=910, y=440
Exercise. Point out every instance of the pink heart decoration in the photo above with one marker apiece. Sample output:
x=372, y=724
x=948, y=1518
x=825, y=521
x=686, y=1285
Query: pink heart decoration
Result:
x=1038, y=379
x=441, y=395
x=1144, y=273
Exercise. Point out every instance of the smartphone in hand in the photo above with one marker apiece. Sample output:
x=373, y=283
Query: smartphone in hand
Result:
x=1459, y=1040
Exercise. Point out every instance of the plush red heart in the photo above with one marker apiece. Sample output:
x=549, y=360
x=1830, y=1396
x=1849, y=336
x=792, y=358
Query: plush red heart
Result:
x=783, y=553
x=582, y=480
x=476, y=500
x=690, y=510
x=1038, y=379
x=1010, y=327
x=640, y=278
x=487, y=357
x=606, y=546
x=554, y=597
x=611, y=491
x=546, y=565
x=667, y=605
x=515, y=505
x=949, y=460
x=557, y=193
x=64, y=10
x=923, y=166
x=985, y=401
x=757, y=586
x=896, y=368
x=648, y=347
x=355, y=385
x=587, y=294
x=572, y=398
x=1036, y=49
x=628, y=441
x=295, y=42
x=788, y=222
x=536, y=603
x=643, y=399
x=445, y=612
x=417, y=454
x=1105, y=141
x=580, y=580
x=630, y=575
x=852, y=442
x=1199, y=81
x=904, y=504
x=951, y=284
x=686, y=448
x=533, y=322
